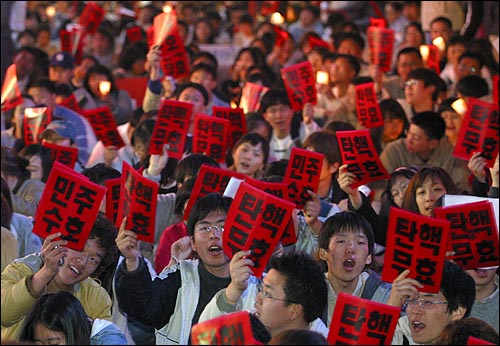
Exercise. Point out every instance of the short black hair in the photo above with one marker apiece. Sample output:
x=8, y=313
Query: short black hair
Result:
x=431, y=123
x=205, y=205
x=196, y=86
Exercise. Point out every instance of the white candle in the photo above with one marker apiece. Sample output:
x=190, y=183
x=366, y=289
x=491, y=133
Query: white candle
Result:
x=104, y=87
x=424, y=51
x=459, y=106
x=277, y=18
x=439, y=43
x=322, y=77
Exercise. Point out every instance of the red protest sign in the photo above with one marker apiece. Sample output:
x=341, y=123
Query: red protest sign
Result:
x=35, y=122
x=174, y=58
x=72, y=41
x=237, y=122
x=359, y=321
x=415, y=242
x=210, y=179
x=256, y=221
x=163, y=25
x=473, y=233
x=134, y=86
x=279, y=190
x=63, y=154
x=113, y=187
x=171, y=127
x=69, y=204
x=250, y=96
x=91, y=17
x=134, y=33
x=138, y=196
x=302, y=174
x=367, y=107
x=430, y=56
x=102, y=121
x=378, y=22
x=478, y=132
x=11, y=94
x=381, y=46
x=359, y=153
x=229, y=329
x=476, y=341
x=300, y=84
x=71, y=103
x=210, y=136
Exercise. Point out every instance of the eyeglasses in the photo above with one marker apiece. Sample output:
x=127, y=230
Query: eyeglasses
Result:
x=411, y=82
x=277, y=109
x=399, y=190
x=260, y=290
x=422, y=303
x=208, y=229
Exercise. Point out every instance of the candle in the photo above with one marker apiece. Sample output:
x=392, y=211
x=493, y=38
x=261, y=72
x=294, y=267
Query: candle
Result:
x=50, y=11
x=424, y=51
x=439, y=43
x=277, y=18
x=322, y=77
x=459, y=106
x=104, y=87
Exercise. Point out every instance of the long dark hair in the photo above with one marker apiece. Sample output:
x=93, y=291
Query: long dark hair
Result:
x=60, y=312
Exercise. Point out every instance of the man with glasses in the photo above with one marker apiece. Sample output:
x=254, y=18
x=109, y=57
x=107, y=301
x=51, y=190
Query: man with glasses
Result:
x=277, y=110
x=173, y=302
x=291, y=295
x=428, y=314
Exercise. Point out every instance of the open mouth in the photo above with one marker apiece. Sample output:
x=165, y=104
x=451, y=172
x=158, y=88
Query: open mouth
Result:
x=215, y=250
x=349, y=264
x=417, y=326
x=74, y=270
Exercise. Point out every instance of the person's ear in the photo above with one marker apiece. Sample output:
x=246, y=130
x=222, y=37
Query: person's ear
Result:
x=458, y=313
x=322, y=254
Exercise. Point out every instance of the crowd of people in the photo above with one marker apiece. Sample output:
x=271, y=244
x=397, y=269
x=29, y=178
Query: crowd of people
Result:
x=120, y=290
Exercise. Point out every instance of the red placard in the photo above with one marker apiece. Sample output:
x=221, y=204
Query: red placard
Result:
x=229, y=329
x=134, y=33
x=113, y=187
x=300, y=84
x=174, y=58
x=102, y=121
x=91, y=17
x=479, y=131
x=35, y=122
x=280, y=190
x=359, y=321
x=473, y=233
x=367, y=107
x=381, y=46
x=317, y=42
x=71, y=103
x=210, y=179
x=134, y=86
x=476, y=341
x=415, y=242
x=210, y=136
x=432, y=60
x=358, y=152
x=72, y=41
x=237, y=122
x=63, y=154
x=302, y=174
x=377, y=22
x=250, y=96
x=256, y=221
x=171, y=127
x=281, y=36
x=138, y=196
x=11, y=94
x=69, y=204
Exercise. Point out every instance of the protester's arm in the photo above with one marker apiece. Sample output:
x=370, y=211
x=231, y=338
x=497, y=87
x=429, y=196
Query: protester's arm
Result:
x=494, y=180
x=477, y=165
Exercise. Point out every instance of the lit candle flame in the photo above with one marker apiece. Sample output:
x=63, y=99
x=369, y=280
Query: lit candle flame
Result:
x=50, y=11
x=459, y=106
x=167, y=8
x=104, y=87
x=424, y=51
x=322, y=77
x=277, y=18
x=439, y=43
